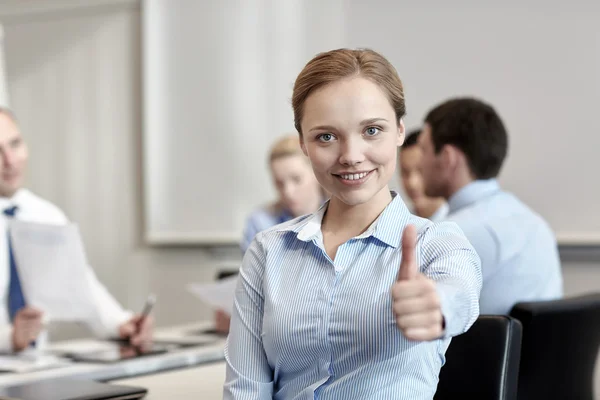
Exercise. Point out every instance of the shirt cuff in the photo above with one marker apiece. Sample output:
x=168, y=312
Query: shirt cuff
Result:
x=457, y=319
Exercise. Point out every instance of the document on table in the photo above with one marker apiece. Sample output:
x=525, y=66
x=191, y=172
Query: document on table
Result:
x=218, y=295
x=31, y=362
x=53, y=269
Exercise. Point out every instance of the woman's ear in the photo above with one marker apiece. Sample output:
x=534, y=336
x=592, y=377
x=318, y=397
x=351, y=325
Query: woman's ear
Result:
x=401, y=133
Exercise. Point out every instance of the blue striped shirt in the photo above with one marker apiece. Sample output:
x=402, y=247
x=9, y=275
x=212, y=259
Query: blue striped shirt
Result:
x=305, y=326
x=518, y=251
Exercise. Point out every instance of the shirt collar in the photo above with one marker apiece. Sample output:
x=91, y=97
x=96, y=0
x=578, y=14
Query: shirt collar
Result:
x=471, y=193
x=387, y=228
x=15, y=200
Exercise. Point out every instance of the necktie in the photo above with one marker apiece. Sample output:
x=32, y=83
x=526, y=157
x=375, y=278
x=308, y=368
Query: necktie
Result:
x=16, y=301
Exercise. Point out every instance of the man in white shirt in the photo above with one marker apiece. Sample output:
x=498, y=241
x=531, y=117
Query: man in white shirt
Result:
x=20, y=324
x=432, y=208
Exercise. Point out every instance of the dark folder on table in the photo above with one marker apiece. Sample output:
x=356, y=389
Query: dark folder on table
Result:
x=71, y=389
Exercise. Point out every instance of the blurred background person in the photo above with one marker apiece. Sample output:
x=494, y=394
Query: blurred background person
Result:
x=464, y=144
x=433, y=208
x=299, y=193
x=21, y=324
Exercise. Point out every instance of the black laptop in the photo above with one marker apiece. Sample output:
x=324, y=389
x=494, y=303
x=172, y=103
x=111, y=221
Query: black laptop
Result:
x=71, y=389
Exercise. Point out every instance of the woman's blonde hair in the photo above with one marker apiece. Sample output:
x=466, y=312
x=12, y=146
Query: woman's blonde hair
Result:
x=332, y=66
x=288, y=145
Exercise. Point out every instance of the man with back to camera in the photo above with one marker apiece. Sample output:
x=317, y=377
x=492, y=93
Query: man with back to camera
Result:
x=410, y=154
x=20, y=324
x=464, y=144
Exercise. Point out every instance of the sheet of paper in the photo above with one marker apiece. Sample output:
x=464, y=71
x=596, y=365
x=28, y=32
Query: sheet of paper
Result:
x=53, y=269
x=218, y=295
x=28, y=362
x=81, y=346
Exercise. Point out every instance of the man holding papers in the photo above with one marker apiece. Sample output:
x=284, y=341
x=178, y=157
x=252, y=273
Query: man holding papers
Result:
x=20, y=323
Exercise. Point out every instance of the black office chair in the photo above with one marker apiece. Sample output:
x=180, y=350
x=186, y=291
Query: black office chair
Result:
x=483, y=363
x=560, y=347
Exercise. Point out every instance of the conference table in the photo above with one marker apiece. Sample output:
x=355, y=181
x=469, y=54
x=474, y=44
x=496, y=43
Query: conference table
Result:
x=201, y=382
x=183, y=360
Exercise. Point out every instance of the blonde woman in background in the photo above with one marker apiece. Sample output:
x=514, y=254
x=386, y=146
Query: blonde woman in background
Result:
x=298, y=190
x=299, y=193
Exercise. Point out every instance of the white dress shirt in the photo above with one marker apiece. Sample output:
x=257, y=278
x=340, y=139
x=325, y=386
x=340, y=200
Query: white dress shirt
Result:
x=108, y=314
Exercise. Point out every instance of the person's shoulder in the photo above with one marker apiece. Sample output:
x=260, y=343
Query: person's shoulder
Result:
x=445, y=227
x=467, y=220
x=443, y=237
x=293, y=225
x=288, y=232
x=428, y=230
x=479, y=215
x=265, y=214
x=523, y=208
x=422, y=224
x=41, y=209
x=504, y=209
x=531, y=219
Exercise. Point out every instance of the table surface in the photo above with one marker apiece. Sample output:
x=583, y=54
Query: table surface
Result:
x=200, y=382
x=180, y=358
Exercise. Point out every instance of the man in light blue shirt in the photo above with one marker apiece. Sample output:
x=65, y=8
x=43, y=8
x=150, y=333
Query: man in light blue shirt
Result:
x=464, y=144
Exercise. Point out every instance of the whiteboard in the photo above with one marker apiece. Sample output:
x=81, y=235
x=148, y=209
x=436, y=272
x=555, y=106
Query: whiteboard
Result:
x=218, y=80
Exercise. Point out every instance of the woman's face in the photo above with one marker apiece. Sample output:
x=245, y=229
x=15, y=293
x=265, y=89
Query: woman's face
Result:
x=298, y=189
x=350, y=134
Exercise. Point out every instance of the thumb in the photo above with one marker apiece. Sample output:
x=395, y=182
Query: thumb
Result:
x=408, y=264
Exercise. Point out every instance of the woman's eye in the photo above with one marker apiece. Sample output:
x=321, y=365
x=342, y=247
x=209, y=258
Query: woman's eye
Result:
x=372, y=131
x=326, y=137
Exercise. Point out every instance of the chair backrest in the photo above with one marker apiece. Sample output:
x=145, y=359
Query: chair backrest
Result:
x=483, y=363
x=560, y=347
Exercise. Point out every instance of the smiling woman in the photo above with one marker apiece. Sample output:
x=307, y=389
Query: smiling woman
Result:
x=313, y=313
x=353, y=157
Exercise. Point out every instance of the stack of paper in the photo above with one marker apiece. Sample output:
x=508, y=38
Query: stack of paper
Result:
x=218, y=295
x=29, y=362
x=53, y=268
